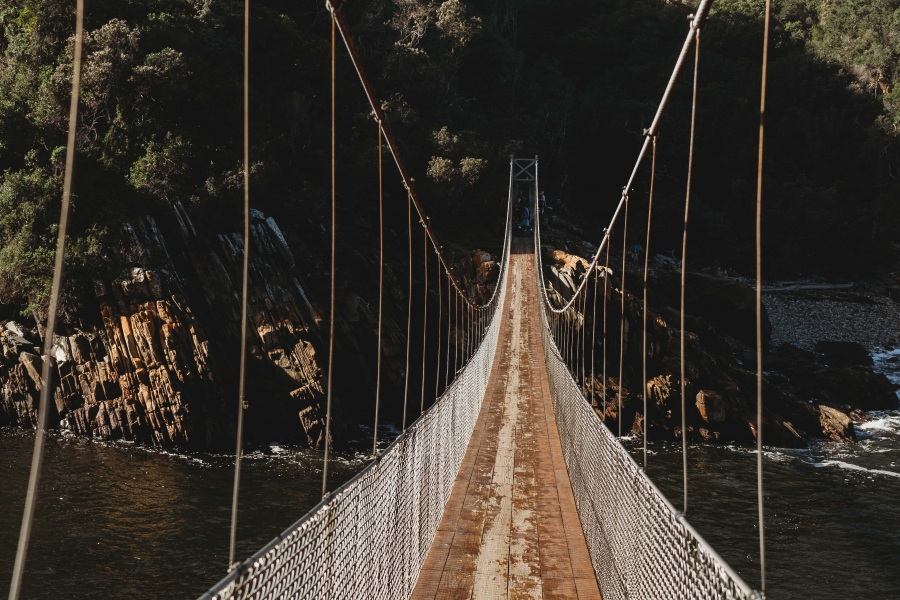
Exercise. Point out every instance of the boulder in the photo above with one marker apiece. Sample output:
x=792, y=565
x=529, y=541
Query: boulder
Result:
x=836, y=424
x=711, y=406
x=843, y=354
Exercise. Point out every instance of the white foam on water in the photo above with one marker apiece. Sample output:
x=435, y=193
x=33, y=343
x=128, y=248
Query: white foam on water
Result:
x=852, y=467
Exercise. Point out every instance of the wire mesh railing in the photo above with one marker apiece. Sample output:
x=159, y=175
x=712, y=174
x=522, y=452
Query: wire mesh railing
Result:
x=369, y=538
x=640, y=546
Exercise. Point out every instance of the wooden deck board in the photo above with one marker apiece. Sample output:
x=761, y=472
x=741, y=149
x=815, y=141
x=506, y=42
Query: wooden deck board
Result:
x=510, y=529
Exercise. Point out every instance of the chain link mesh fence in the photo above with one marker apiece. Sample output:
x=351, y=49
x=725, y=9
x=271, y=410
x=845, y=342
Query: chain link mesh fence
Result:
x=641, y=548
x=369, y=538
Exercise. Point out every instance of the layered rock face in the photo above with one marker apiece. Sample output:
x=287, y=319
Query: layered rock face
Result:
x=161, y=369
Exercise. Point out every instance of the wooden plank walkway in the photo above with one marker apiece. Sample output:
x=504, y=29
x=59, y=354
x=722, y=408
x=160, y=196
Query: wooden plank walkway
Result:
x=510, y=529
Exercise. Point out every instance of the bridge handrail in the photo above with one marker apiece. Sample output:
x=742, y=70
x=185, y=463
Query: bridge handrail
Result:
x=369, y=537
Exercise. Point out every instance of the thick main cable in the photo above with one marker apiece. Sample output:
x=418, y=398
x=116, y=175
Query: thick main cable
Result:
x=380, y=289
x=333, y=246
x=350, y=43
x=699, y=16
x=622, y=316
x=243, y=367
x=687, y=204
x=37, y=456
x=759, y=336
x=646, y=423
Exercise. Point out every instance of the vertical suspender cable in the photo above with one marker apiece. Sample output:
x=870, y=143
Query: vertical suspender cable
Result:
x=583, y=333
x=687, y=204
x=243, y=372
x=759, y=339
x=409, y=308
x=437, y=375
x=593, y=335
x=380, y=290
x=333, y=236
x=455, y=332
x=37, y=455
x=605, y=293
x=449, y=329
x=622, y=316
x=424, y=314
x=646, y=423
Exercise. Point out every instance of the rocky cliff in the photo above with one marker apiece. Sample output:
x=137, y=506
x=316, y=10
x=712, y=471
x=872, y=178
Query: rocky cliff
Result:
x=158, y=368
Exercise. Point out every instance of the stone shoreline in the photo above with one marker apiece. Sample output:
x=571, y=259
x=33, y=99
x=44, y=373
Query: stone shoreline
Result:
x=802, y=319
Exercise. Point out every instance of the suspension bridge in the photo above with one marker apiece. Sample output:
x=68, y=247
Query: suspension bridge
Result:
x=509, y=484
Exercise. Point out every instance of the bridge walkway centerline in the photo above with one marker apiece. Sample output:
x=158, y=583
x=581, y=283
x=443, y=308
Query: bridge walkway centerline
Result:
x=510, y=527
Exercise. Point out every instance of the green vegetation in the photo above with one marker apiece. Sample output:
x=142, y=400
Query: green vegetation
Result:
x=465, y=83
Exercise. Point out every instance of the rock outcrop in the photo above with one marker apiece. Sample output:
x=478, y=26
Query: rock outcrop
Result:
x=806, y=395
x=159, y=368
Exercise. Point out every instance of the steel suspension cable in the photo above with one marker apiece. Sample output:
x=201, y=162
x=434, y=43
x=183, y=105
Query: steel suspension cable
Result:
x=409, y=308
x=593, y=337
x=37, y=456
x=424, y=315
x=333, y=237
x=380, y=288
x=449, y=327
x=440, y=320
x=455, y=334
x=622, y=316
x=687, y=204
x=243, y=365
x=759, y=336
x=605, y=294
x=583, y=335
x=646, y=423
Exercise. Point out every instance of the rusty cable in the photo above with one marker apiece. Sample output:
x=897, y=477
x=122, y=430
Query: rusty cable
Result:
x=440, y=322
x=380, y=289
x=622, y=315
x=605, y=295
x=424, y=314
x=687, y=204
x=759, y=336
x=37, y=456
x=409, y=308
x=593, y=337
x=333, y=237
x=646, y=423
x=449, y=327
x=244, y=280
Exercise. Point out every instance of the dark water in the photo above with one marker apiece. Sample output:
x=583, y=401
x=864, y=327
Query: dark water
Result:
x=115, y=521
x=832, y=511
